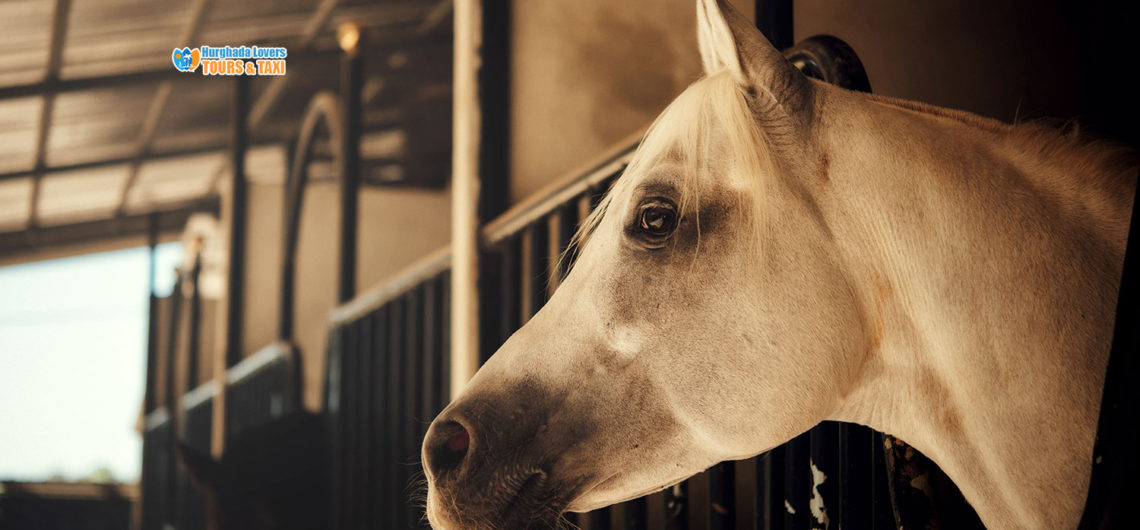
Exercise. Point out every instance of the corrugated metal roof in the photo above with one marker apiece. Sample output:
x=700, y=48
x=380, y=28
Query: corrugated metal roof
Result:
x=95, y=123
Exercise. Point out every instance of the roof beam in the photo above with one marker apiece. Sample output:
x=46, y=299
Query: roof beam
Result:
x=56, y=86
x=436, y=16
x=272, y=93
x=171, y=219
x=158, y=105
x=390, y=121
x=174, y=153
x=60, y=16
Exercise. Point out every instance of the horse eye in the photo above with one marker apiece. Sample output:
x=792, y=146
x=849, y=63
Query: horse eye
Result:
x=657, y=218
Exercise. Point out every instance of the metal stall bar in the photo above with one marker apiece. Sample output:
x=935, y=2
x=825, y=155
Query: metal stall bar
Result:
x=393, y=493
x=744, y=490
x=170, y=485
x=351, y=84
x=235, y=294
x=697, y=507
x=152, y=318
x=239, y=211
x=195, y=425
x=388, y=368
x=145, y=485
x=323, y=108
x=827, y=456
x=194, y=326
x=189, y=504
x=721, y=499
x=409, y=456
x=351, y=456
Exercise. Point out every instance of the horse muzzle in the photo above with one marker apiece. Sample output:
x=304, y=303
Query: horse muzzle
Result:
x=495, y=463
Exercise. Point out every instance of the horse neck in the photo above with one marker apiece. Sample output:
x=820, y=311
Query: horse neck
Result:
x=988, y=279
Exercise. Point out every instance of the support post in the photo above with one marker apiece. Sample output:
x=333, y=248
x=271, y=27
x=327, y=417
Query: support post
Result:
x=235, y=292
x=171, y=396
x=152, y=316
x=465, y=188
x=194, y=327
x=351, y=84
x=239, y=190
x=480, y=172
x=146, y=487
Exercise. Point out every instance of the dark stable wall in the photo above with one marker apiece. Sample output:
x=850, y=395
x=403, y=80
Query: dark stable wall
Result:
x=586, y=74
x=1013, y=60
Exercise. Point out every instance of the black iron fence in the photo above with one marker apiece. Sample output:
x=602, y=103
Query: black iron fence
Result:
x=157, y=483
x=261, y=388
x=197, y=431
x=387, y=379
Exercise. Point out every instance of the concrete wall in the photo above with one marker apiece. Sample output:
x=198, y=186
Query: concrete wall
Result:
x=397, y=227
x=587, y=74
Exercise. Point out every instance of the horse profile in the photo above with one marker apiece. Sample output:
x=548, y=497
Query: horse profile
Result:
x=781, y=252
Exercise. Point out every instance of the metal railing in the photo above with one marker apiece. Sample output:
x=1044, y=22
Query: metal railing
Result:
x=261, y=388
x=387, y=379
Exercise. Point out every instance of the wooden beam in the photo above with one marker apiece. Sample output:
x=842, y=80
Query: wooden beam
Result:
x=58, y=86
x=170, y=219
x=272, y=93
x=173, y=153
x=188, y=35
x=60, y=16
x=465, y=194
x=436, y=16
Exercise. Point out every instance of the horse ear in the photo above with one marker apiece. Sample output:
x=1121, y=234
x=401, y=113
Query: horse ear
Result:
x=202, y=467
x=729, y=41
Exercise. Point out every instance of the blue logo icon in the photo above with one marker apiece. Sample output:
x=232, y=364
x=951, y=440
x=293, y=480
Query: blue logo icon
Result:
x=185, y=59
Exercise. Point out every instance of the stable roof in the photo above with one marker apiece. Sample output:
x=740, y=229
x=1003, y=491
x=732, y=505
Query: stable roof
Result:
x=98, y=131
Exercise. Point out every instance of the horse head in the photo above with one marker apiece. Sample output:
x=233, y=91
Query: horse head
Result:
x=704, y=318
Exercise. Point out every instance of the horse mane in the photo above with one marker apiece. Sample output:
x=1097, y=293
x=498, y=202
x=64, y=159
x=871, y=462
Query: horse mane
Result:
x=1063, y=143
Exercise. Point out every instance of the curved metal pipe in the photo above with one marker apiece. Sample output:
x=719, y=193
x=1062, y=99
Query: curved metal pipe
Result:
x=324, y=108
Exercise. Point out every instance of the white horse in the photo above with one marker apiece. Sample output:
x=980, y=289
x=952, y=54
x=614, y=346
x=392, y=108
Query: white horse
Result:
x=782, y=252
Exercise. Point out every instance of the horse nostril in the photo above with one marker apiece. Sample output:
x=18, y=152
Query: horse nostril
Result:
x=447, y=446
x=459, y=441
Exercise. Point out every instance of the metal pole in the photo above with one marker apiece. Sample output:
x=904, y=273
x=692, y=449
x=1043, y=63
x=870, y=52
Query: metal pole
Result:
x=194, y=328
x=146, y=493
x=351, y=84
x=494, y=162
x=171, y=397
x=152, y=316
x=235, y=296
x=285, y=309
x=238, y=213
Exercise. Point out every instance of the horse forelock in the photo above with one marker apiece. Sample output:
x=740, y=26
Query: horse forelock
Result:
x=709, y=120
